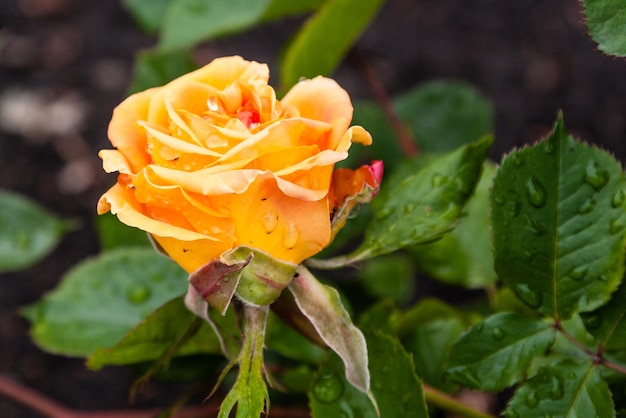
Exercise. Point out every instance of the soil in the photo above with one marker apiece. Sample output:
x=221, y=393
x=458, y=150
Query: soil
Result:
x=64, y=65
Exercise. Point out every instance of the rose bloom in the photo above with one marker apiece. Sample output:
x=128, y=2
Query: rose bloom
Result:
x=213, y=160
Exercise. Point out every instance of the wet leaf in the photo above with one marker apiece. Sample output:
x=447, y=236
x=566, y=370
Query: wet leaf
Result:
x=155, y=68
x=148, y=14
x=391, y=276
x=497, y=352
x=608, y=323
x=27, y=232
x=112, y=233
x=101, y=299
x=606, y=20
x=558, y=224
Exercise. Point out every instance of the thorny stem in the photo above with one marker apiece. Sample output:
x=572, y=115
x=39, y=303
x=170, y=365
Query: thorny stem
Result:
x=405, y=139
x=52, y=409
x=448, y=403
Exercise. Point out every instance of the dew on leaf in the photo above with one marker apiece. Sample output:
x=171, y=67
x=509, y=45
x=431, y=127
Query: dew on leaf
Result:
x=587, y=206
x=617, y=225
x=550, y=147
x=527, y=295
x=328, y=388
x=137, y=294
x=499, y=200
x=595, y=176
x=618, y=199
x=518, y=160
x=410, y=207
x=557, y=389
x=536, y=192
x=384, y=213
x=535, y=226
x=592, y=320
x=438, y=180
x=532, y=400
x=497, y=334
x=579, y=273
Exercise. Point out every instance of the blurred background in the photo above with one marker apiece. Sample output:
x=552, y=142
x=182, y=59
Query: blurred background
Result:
x=64, y=65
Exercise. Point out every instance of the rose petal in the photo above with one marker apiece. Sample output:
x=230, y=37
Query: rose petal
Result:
x=114, y=161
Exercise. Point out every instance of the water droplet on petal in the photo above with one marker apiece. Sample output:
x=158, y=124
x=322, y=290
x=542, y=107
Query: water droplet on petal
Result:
x=291, y=235
x=587, y=206
x=328, y=389
x=618, y=199
x=212, y=105
x=527, y=295
x=532, y=400
x=215, y=141
x=169, y=154
x=595, y=176
x=269, y=221
x=137, y=294
x=536, y=192
x=497, y=334
x=579, y=273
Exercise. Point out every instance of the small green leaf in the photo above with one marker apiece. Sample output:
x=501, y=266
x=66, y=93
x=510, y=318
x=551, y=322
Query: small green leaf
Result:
x=112, y=233
x=155, y=68
x=390, y=276
x=563, y=389
x=608, y=324
x=150, y=338
x=427, y=331
x=148, y=14
x=188, y=22
x=426, y=205
x=325, y=38
x=558, y=224
x=445, y=115
x=27, y=232
x=101, y=299
x=497, y=352
x=470, y=242
x=396, y=388
x=282, y=8
x=606, y=20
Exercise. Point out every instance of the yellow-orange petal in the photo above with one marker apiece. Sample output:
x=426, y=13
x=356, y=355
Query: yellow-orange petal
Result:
x=324, y=100
x=191, y=255
x=124, y=132
x=114, y=161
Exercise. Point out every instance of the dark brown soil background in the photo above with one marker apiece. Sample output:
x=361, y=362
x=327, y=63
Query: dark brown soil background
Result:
x=64, y=65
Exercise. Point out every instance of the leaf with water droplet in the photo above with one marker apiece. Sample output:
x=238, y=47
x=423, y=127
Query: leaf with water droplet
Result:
x=561, y=189
x=102, y=317
x=608, y=323
x=436, y=210
x=498, y=362
x=28, y=232
x=565, y=386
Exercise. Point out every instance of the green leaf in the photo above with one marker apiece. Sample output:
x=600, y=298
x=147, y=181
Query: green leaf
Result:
x=606, y=20
x=325, y=38
x=427, y=331
x=282, y=8
x=608, y=324
x=497, y=352
x=444, y=115
x=563, y=389
x=390, y=276
x=398, y=391
x=426, y=205
x=101, y=299
x=558, y=224
x=27, y=232
x=155, y=68
x=154, y=335
x=148, y=14
x=113, y=234
x=188, y=22
x=470, y=242
x=383, y=317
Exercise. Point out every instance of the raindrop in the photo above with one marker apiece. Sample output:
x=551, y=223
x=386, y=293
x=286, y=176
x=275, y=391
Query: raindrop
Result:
x=513, y=206
x=527, y=295
x=499, y=200
x=497, y=334
x=215, y=141
x=291, y=235
x=535, y=226
x=518, y=159
x=532, y=400
x=439, y=180
x=587, y=206
x=579, y=273
x=557, y=390
x=618, y=199
x=595, y=176
x=384, y=213
x=550, y=146
x=617, y=225
x=592, y=320
x=536, y=192
x=269, y=221
x=169, y=154
x=137, y=294
x=328, y=388
x=211, y=103
x=409, y=208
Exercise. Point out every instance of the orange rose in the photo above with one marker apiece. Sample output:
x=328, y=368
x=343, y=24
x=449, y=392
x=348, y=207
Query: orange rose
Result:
x=213, y=160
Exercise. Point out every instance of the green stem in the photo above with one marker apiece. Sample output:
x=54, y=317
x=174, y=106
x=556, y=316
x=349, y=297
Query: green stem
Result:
x=448, y=403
